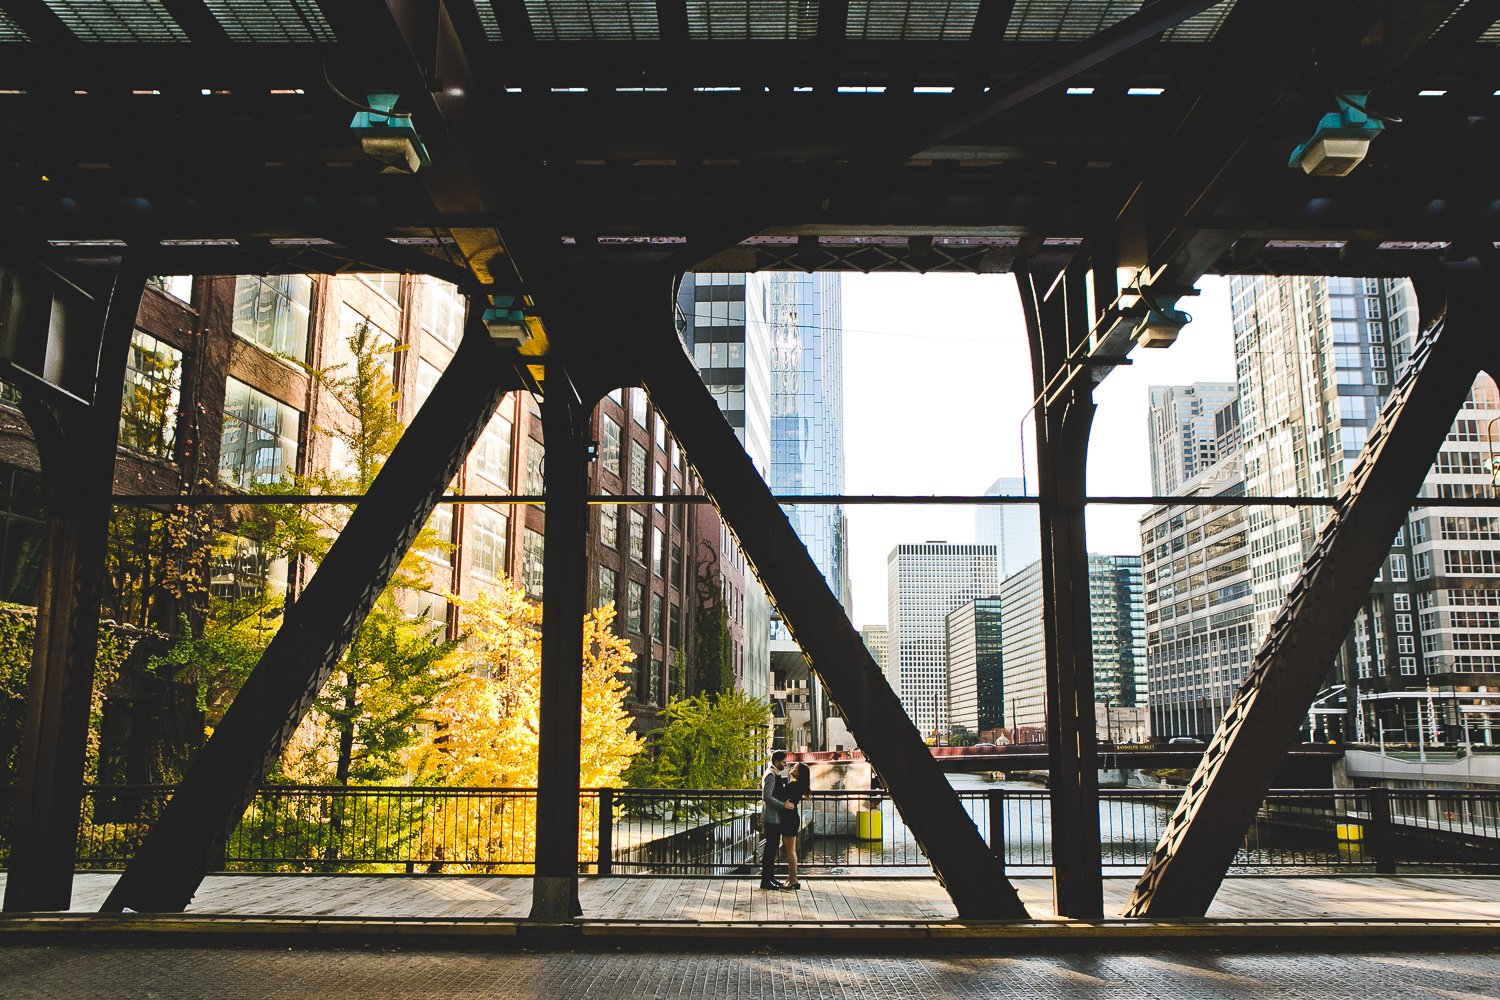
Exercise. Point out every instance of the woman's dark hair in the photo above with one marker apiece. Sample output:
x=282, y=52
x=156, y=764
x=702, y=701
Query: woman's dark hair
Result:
x=800, y=783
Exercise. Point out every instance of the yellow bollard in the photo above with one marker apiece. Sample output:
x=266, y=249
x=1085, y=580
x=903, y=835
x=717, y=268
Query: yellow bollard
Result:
x=1351, y=833
x=867, y=824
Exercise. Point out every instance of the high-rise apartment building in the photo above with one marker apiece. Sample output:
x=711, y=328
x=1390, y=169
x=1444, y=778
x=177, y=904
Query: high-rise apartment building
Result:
x=976, y=696
x=1199, y=609
x=925, y=582
x=1315, y=361
x=1183, y=436
x=1013, y=529
x=770, y=347
x=1116, y=621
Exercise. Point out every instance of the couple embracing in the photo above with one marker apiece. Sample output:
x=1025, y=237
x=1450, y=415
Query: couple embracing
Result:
x=781, y=790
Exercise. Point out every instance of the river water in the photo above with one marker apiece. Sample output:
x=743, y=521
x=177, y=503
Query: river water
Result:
x=1129, y=831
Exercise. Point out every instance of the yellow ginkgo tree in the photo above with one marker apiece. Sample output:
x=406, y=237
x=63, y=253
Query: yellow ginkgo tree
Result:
x=484, y=732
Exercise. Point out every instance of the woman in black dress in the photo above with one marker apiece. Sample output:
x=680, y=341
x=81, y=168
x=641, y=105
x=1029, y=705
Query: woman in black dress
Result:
x=797, y=788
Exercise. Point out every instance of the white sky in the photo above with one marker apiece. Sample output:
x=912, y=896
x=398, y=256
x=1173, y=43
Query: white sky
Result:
x=937, y=383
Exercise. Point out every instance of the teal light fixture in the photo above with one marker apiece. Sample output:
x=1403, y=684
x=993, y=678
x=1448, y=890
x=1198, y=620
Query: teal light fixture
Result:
x=1341, y=140
x=388, y=135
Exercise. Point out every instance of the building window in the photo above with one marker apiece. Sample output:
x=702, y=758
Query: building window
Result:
x=638, y=406
x=659, y=484
x=1408, y=665
x=486, y=541
x=659, y=430
x=274, y=312
x=674, y=633
x=148, y=412
x=658, y=558
x=260, y=436
x=609, y=444
x=440, y=524
x=379, y=344
x=532, y=556
x=606, y=586
x=1401, y=602
x=637, y=483
x=536, y=468
x=1405, y=644
x=1398, y=568
x=491, y=455
x=676, y=566
x=637, y=596
x=426, y=380
x=658, y=618
x=241, y=571
x=609, y=526
x=179, y=286
x=23, y=534
x=443, y=312
x=637, y=540
x=386, y=284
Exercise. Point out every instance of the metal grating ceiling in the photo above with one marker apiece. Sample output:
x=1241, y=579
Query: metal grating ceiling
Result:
x=1491, y=34
x=593, y=20
x=10, y=31
x=271, y=20
x=1065, y=20
x=758, y=20
x=1201, y=27
x=488, y=21
x=117, y=20
x=912, y=20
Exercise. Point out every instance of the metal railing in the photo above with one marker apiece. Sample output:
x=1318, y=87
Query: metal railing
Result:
x=314, y=828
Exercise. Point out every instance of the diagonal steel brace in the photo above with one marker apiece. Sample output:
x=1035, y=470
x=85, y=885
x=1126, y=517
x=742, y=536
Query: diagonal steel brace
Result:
x=1260, y=726
x=931, y=809
x=171, y=863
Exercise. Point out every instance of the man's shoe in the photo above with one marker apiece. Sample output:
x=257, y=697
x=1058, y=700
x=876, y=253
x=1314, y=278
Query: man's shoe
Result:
x=771, y=884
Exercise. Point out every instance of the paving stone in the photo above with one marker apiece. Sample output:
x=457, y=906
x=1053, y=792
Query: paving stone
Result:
x=77, y=972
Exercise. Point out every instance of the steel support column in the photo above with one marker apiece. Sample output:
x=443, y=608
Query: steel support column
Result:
x=1054, y=302
x=1226, y=790
x=170, y=865
x=77, y=447
x=565, y=421
x=928, y=805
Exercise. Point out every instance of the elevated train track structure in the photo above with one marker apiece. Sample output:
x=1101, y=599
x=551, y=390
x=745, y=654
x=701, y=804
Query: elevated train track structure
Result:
x=573, y=156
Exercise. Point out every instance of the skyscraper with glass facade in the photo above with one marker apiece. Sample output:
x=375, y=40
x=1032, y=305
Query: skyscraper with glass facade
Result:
x=1183, y=434
x=1012, y=529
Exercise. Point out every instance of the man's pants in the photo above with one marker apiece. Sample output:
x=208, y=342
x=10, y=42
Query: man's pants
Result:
x=768, y=857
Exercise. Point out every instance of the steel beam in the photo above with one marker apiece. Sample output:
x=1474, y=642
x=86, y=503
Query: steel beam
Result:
x=1225, y=792
x=565, y=421
x=212, y=797
x=928, y=804
x=1054, y=302
x=77, y=448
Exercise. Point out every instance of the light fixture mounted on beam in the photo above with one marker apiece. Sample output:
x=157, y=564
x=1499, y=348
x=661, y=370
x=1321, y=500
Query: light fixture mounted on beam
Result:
x=1156, y=316
x=388, y=136
x=1341, y=140
x=506, y=321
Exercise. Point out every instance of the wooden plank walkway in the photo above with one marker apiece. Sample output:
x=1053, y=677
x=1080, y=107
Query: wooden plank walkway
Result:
x=824, y=900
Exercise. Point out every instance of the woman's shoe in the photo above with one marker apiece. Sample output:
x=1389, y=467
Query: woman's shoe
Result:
x=793, y=885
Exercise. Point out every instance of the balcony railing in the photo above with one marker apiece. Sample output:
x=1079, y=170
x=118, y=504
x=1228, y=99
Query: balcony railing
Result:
x=313, y=828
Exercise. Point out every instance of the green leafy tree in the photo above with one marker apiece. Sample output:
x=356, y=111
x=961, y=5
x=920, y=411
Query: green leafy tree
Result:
x=393, y=670
x=708, y=741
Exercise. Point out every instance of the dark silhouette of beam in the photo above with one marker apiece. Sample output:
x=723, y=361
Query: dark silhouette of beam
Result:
x=76, y=443
x=317, y=628
x=1261, y=724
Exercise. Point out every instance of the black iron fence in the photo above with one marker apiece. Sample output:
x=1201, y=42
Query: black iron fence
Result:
x=314, y=828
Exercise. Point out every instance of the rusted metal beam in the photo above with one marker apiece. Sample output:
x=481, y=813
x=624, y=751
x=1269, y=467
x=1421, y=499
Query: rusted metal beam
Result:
x=77, y=448
x=212, y=797
x=1260, y=726
x=928, y=805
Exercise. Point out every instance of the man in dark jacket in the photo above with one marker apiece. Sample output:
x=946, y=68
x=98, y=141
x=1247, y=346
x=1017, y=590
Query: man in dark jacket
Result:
x=772, y=809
